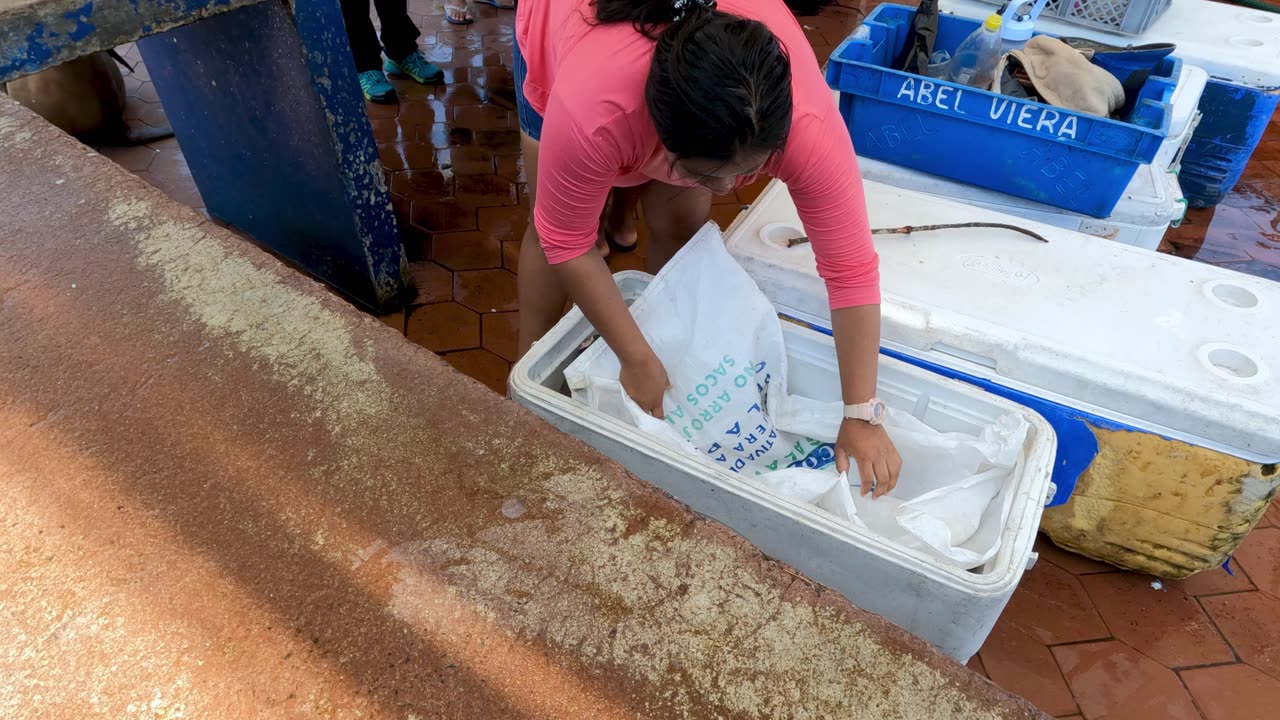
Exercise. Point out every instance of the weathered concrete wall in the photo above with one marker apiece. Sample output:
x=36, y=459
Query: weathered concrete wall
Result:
x=227, y=494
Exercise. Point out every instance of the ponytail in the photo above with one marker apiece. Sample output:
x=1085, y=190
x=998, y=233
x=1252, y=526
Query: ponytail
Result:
x=718, y=85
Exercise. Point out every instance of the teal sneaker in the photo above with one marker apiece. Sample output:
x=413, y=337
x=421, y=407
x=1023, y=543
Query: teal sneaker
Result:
x=377, y=88
x=416, y=67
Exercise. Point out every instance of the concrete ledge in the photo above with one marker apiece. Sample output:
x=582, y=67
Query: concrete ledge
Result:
x=229, y=494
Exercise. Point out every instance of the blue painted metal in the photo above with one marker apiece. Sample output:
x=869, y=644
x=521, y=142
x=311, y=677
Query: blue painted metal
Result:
x=1077, y=444
x=333, y=71
x=1050, y=155
x=44, y=33
x=273, y=126
x=1233, y=120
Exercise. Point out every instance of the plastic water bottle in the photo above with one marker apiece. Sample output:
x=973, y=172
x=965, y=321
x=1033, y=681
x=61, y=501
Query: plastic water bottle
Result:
x=974, y=62
x=1018, y=23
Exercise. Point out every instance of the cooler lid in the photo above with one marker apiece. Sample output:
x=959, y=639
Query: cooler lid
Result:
x=1180, y=348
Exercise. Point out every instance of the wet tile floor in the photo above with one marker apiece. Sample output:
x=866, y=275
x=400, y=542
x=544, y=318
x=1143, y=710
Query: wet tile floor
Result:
x=1079, y=639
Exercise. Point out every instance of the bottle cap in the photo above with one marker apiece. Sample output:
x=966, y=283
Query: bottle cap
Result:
x=1018, y=26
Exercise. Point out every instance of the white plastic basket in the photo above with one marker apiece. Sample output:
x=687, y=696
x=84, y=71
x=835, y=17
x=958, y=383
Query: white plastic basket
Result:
x=1235, y=44
x=1126, y=17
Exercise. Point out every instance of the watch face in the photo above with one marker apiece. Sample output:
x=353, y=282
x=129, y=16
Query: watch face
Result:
x=877, y=412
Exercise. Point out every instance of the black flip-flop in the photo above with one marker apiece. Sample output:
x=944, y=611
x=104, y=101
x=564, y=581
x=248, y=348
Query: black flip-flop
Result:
x=608, y=236
x=620, y=249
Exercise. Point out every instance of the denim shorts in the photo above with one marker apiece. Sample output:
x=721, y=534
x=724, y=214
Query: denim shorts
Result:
x=530, y=120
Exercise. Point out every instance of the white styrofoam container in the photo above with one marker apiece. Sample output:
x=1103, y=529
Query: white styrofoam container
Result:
x=1184, y=116
x=1151, y=203
x=1119, y=336
x=952, y=609
x=1232, y=43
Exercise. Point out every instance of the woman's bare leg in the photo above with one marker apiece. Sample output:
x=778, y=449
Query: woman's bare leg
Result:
x=541, y=297
x=618, y=221
x=673, y=214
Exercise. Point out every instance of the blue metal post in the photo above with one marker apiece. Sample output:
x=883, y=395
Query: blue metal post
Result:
x=265, y=104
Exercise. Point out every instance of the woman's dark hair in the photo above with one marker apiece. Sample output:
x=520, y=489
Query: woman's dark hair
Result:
x=718, y=85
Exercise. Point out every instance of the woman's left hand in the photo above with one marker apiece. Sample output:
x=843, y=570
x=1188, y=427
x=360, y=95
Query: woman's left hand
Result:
x=870, y=449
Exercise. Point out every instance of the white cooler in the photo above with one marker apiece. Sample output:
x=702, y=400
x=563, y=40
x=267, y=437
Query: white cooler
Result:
x=951, y=608
x=1109, y=333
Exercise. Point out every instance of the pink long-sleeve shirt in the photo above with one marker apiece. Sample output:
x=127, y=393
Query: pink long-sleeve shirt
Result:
x=587, y=81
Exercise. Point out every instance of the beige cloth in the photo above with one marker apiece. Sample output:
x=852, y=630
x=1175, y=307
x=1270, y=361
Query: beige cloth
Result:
x=1063, y=76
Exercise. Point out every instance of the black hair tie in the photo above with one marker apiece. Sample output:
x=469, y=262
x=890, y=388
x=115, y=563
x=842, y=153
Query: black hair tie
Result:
x=684, y=7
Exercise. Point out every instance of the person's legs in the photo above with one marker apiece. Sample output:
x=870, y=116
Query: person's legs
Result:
x=539, y=292
x=399, y=34
x=400, y=38
x=540, y=295
x=366, y=52
x=365, y=49
x=456, y=12
x=618, y=225
x=673, y=215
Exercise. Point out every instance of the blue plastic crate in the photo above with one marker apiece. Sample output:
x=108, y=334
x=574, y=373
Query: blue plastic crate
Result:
x=1050, y=155
x=1233, y=120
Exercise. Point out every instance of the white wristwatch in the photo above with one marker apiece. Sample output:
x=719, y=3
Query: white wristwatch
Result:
x=872, y=411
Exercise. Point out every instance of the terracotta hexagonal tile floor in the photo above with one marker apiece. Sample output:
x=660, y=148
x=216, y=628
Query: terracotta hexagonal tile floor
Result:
x=444, y=327
x=1233, y=692
x=1260, y=555
x=1165, y=624
x=1022, y=664
x=486, y=291
x=472, y=250
x=1251, y=623
x=1112, y=680
x=1079, y=638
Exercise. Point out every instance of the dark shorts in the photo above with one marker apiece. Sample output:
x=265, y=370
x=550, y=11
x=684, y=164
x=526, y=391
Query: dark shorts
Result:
x=530, y=120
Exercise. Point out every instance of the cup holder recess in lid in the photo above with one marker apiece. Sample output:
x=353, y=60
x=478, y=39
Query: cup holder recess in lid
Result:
x=1231, y=295
x=1233, y=363
x=778, y=234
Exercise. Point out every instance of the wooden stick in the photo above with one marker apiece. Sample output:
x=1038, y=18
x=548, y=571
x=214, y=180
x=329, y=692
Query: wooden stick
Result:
x=910, y=229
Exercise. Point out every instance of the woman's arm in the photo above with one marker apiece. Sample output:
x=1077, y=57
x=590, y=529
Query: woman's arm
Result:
x=857, y=335
x=576, y=169
x=589, y=282
x=821, y=172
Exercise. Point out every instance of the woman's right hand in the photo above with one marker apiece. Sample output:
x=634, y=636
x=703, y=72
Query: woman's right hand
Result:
x=645, y=381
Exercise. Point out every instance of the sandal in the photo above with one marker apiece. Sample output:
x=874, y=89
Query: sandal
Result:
x=458, y=14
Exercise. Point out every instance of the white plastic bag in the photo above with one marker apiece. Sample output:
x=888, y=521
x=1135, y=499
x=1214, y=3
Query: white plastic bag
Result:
x=722, y=344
